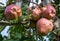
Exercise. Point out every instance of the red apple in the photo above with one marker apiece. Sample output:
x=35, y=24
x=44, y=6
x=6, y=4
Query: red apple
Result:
x=12, y=11
x=44, y=26
x=36, y=12
x=48, y=11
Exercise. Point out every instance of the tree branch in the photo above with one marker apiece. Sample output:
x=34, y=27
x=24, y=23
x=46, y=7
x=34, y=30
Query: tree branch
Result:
x=8, y=23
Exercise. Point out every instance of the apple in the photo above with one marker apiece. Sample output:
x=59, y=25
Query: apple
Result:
x=12, y=11
x=44, y=26
x=48, y=11
x=36, y=12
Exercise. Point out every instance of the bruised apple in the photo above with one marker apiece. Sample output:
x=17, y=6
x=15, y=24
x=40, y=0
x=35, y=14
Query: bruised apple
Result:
x=36, y=12
x=44, y=26
x=12, y=12
x=48, y=11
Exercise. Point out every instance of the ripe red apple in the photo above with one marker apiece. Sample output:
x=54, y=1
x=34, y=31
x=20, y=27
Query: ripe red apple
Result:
x=36, y=12
x=12, y=11
x=48, y=11
x=44, y=26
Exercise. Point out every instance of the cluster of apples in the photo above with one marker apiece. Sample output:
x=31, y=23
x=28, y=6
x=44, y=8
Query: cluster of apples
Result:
x=43, y=17
x=43, y=25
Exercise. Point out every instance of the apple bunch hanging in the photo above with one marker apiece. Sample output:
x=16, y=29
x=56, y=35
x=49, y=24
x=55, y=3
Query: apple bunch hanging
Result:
x=43, y=16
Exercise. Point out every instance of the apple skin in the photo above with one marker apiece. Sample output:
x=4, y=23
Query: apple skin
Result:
x=48, y=11
x=44, y=26
x=12, y=12
x=36, y=12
